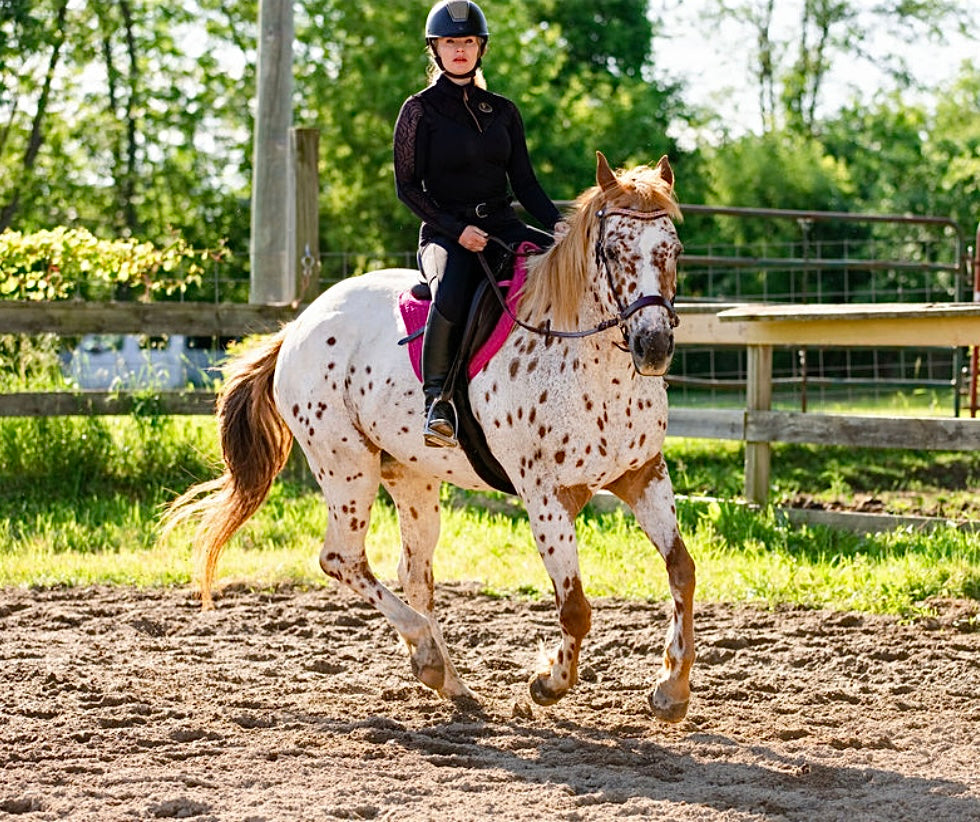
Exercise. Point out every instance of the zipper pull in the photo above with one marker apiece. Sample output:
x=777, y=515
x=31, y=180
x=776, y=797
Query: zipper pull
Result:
x=466, y=105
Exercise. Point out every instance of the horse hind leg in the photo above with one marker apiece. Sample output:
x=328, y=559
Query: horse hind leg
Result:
x=350, y=493
x=416, y=499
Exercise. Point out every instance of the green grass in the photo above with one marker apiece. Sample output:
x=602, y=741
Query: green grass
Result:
x=880, y=400
x=933, y=483
x=742, y=556
x=80, y=499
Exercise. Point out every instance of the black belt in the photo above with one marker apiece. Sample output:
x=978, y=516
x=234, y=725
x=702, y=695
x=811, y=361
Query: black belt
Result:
x=481, y=211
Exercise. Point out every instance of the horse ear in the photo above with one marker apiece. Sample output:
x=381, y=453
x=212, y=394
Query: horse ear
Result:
x=666, y=172
x=603, y=174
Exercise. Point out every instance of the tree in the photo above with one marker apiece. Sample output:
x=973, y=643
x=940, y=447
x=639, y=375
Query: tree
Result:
x=612, y=38
x=953, y=148
x=112, y=121
x=132, y=117
x=29, y=34
x=790, y=71
x=912, y=158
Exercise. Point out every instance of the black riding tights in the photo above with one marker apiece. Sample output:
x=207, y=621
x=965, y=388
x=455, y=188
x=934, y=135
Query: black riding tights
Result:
x=453, y=273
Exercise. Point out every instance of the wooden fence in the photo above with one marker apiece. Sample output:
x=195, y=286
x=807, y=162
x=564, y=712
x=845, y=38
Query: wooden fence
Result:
x=760, y=328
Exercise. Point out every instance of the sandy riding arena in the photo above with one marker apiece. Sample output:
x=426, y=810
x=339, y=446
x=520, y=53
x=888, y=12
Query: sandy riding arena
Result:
x=299, y=705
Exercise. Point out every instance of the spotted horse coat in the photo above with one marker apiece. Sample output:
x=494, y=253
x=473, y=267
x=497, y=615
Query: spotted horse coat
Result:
x=566, y=416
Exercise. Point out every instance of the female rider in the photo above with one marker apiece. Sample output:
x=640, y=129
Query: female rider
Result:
x=457, y=146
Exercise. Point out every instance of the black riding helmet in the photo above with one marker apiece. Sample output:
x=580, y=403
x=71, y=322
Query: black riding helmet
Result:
x=456, y=18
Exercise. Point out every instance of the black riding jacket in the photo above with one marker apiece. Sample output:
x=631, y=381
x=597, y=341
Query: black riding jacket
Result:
x=457, y=147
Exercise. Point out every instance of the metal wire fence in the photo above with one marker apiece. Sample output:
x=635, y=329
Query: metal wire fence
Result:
x=797, y=257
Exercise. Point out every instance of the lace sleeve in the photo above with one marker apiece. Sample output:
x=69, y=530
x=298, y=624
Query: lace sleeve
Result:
x=410, y=155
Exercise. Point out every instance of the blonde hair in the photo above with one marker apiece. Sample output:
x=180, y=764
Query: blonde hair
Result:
x=557, y=279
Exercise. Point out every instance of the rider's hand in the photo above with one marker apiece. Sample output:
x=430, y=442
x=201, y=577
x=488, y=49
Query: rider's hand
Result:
x=473, y=238
x=560, y=230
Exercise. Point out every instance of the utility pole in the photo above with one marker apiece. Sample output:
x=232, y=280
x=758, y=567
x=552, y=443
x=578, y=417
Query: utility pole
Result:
x=273, y=278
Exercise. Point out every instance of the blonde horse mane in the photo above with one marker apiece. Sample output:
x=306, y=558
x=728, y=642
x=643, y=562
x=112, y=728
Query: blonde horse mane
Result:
x=558, y=279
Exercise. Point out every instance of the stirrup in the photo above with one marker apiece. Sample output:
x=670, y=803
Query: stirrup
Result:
x=440, y=427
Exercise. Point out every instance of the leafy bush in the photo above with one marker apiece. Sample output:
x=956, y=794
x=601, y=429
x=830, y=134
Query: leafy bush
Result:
x=68, y=263
x=84, y=458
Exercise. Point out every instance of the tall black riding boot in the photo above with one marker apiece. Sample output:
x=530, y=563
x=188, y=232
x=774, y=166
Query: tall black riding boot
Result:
x=438, y=352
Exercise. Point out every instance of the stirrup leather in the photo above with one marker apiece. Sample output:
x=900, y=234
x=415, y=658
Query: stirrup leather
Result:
x=440, y=425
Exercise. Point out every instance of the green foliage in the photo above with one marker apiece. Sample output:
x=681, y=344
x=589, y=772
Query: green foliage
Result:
x=159, y=137
x=72, y=263
x=121, y=118
x=882, y=147
x=84, y=458
x=954, y=145
x=134, y=120
x=912, y=157
x=790, y=59
x=356, y=65
x=612, y=38
x=777, y=170
x=889, y=157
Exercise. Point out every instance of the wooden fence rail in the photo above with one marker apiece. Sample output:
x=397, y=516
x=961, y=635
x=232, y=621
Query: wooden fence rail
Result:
x=758, y=328
x=70, y=318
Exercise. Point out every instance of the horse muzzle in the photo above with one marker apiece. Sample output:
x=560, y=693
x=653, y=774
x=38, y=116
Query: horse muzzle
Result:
x=652, y=350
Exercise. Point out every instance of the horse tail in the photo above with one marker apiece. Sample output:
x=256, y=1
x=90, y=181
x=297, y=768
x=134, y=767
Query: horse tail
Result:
x=255, y=445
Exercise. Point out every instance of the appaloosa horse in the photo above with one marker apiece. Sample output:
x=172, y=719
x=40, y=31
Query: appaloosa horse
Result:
x=564, y=415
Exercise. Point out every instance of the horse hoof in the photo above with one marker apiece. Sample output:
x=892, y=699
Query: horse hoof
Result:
x=543, y=695
x=430, y=676
x=666, y=710
x=428, y=666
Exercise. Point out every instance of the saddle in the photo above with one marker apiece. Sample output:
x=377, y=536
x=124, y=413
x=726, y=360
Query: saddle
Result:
x=485, y=331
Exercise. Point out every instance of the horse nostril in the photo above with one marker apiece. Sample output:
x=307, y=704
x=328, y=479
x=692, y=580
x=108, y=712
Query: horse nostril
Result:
x=652, y=348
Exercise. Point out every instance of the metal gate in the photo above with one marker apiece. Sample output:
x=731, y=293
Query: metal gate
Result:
x=794, y=256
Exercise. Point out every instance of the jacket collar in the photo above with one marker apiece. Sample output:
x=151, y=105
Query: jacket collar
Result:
x=448, y=87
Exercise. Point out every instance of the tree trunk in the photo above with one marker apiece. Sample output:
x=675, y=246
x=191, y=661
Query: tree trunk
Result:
x=127, y=184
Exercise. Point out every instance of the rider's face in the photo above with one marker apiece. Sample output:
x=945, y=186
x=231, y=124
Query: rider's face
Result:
x=458, y=54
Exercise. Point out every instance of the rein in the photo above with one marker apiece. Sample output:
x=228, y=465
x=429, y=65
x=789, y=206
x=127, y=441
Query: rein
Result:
x=602, y=263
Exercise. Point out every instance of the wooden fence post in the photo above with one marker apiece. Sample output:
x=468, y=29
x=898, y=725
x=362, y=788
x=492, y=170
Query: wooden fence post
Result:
x=758, y=398
x=305, y=144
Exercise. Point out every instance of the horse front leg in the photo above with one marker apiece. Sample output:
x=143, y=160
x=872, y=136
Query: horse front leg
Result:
x=648, y=492
x=553, y=523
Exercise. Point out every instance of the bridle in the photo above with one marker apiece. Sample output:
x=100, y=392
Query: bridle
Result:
x=602, y=263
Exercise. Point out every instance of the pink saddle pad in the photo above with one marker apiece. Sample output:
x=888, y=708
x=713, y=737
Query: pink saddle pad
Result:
x=415, y=312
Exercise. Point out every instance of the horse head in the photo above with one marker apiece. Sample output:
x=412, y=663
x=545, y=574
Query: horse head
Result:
x=636, y=250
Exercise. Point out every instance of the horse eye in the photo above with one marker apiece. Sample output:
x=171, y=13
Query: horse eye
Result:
x=612, y=252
